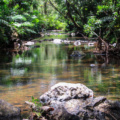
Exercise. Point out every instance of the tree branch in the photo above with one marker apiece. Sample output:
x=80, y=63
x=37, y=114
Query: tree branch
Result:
x=68, y=13
x=70, y=16
x=56, y=8
x=76, y=11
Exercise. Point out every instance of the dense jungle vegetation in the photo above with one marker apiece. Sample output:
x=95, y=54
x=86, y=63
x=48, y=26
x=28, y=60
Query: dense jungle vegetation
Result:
x=23, y=19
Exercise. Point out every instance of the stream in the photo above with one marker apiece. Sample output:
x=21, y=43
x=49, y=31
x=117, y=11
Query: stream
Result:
x=33, y=72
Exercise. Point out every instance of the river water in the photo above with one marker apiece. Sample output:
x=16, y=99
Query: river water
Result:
x=33, y=72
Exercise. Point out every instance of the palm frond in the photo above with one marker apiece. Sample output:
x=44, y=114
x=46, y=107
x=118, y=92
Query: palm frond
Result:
x=27, y=24
x=24, y=24
x=18, y=17
x=30, y=30
x=4, y=22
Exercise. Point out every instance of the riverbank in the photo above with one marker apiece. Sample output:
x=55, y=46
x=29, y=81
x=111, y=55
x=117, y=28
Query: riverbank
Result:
x=65, y=101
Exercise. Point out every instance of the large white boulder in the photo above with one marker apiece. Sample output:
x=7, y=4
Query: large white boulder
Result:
x=66, y=91
x=75, y=102
x=67, y=99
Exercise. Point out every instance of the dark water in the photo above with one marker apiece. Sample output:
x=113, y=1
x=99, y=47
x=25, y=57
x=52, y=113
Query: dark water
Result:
x=33, y=72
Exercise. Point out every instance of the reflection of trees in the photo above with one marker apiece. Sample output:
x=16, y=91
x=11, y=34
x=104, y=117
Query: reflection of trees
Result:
x=101, y=76
x=33, y=62
x=109, y=74
x=105, y=60
x=48, y=57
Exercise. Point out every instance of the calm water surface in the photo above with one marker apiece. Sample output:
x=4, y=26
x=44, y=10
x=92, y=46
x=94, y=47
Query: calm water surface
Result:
x=35, y=71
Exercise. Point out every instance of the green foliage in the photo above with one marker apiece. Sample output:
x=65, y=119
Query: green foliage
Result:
x=95, y=18
x=92, y=24
x=53, y=22
x=36, y=101
x=105, y=21
x=28, y=18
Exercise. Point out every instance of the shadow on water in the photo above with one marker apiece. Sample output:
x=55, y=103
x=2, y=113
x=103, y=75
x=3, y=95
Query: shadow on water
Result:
x=33, y=72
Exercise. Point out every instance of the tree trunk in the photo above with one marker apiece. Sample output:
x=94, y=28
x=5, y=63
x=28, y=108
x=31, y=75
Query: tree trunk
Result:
x=45, y=8
x=105, y=43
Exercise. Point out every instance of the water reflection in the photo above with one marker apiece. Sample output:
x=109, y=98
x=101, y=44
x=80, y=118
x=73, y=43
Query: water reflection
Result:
x=35, y=71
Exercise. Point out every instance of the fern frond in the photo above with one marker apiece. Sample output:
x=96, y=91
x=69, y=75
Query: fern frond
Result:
x=30, y=30
x=24, y=24
x=18, y=17
x=17, y=24
x=26, y=14
x=27, y=24
x=4, y=22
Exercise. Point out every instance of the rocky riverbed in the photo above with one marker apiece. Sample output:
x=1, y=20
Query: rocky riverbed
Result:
x=67, y=101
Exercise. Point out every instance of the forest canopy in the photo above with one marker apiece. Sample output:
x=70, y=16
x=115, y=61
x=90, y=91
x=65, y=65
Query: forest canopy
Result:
x=92, y=18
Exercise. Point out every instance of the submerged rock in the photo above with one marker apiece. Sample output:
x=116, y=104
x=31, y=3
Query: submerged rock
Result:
x=76, y=102
x=72, y=34
x=57, y=41
x=77, y=54
x=77, y=43
x=60, y=41
x=7, y=110
x=91, y=44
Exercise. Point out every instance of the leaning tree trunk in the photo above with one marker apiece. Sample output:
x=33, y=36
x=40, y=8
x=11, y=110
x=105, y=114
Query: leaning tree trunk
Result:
x=100, y=41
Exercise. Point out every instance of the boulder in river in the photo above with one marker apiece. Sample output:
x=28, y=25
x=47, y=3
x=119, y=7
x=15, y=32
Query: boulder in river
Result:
x=57, y=41
x=66, y=91
x=77, y=43
x=67, y=99
x=76, y=102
